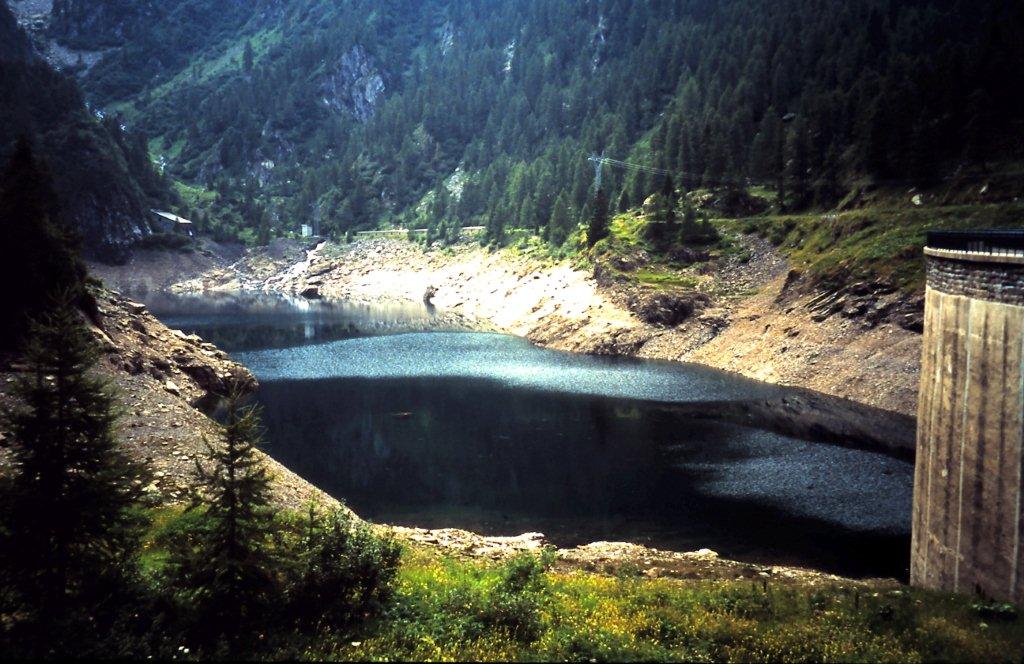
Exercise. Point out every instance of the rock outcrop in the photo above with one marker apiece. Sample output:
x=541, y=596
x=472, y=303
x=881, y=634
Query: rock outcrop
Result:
x=354, y=85
x=667, y=309
x=137, y=343
x=92, y=25
x=161, y=380
x=102, y=174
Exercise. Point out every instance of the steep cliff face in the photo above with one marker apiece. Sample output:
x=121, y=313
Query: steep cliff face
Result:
x=36, y=18
x=354, y=85
x=102, y=172
x=95, y=24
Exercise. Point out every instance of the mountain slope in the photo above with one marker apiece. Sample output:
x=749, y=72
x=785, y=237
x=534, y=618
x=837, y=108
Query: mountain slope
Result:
x=357, y=113
x=103, y=177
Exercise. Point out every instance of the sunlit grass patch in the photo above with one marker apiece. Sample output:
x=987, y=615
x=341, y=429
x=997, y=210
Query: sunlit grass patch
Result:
x=872, y=243
x=534, y=608
x=664, y=278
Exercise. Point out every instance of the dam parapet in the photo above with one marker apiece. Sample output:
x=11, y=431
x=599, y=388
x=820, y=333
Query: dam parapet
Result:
x=967, y=524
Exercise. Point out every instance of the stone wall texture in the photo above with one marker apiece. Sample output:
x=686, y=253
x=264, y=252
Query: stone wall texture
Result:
x=967, y=523
x=996, y=282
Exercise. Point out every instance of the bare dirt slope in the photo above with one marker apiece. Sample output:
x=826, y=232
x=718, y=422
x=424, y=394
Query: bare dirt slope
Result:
x=161, y=378
x=781, y=342
x=756, y=322
x=205, y=265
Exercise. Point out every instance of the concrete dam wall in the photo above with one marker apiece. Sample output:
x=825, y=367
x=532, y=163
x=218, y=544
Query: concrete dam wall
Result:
x=967, y=522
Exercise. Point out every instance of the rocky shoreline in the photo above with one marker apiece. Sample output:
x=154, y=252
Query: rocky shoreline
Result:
x=754, y=320
x=163, y=380
x=553, y=304
x=856, y=383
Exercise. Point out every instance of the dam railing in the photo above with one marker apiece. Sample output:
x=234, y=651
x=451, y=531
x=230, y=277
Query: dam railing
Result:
x=987, y=243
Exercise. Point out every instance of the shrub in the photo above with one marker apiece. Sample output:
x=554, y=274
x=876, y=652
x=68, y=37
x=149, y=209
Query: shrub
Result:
x=347, y=572
x=515, y=603
x=166, y=242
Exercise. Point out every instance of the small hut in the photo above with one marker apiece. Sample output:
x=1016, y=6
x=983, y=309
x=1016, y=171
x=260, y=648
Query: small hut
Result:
x=167, y=222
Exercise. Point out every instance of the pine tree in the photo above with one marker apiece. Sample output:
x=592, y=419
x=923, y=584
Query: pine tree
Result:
x=247, y=57
x=263, y=228
x=797, y=167
x=977, y=146
x=668, y=190
x=778, y=167
x=559, y=225
x=35, y=252
x=226, y=568
x=598, y=229
x=71, y=527
x=624, y=201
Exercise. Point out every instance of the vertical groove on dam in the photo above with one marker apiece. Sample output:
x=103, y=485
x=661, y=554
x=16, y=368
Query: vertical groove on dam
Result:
x=968, y=476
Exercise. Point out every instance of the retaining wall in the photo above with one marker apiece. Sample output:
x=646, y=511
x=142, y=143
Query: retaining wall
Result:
x=967, y=521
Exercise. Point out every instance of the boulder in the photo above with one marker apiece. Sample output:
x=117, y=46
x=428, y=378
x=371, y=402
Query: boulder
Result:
x=688, y=255
x=135, y=308
x=734, y=203
x=320, y=269
x=134, y=363
x=205, y=377
x=667, y=309
x=311, y=293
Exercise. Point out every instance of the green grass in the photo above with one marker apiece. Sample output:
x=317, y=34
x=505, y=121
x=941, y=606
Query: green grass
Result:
x=212, y=63
x=767, y=193
x=664, y=278
x=194, y=196
x=450, y=609
x=626, y=231
x=537, y=608
x=872, y=243
x=626, y=240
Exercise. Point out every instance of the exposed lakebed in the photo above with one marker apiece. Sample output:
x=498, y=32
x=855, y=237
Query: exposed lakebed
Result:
x=414, y=422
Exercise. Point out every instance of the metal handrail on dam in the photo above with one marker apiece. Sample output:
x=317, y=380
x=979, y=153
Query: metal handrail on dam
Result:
x=992, y=242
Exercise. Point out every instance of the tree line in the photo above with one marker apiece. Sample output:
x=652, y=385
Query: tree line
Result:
x=806, y=98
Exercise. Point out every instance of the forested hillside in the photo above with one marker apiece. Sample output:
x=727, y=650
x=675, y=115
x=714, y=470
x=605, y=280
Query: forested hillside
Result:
x=349, y=115
x=102, y=174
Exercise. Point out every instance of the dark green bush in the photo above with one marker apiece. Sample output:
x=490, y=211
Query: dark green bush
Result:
x=167, y=242
x=347, y=571
x=514, y=605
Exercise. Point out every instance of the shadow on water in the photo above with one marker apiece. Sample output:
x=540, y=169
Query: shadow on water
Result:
x=487, y=433
x=476, y=454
